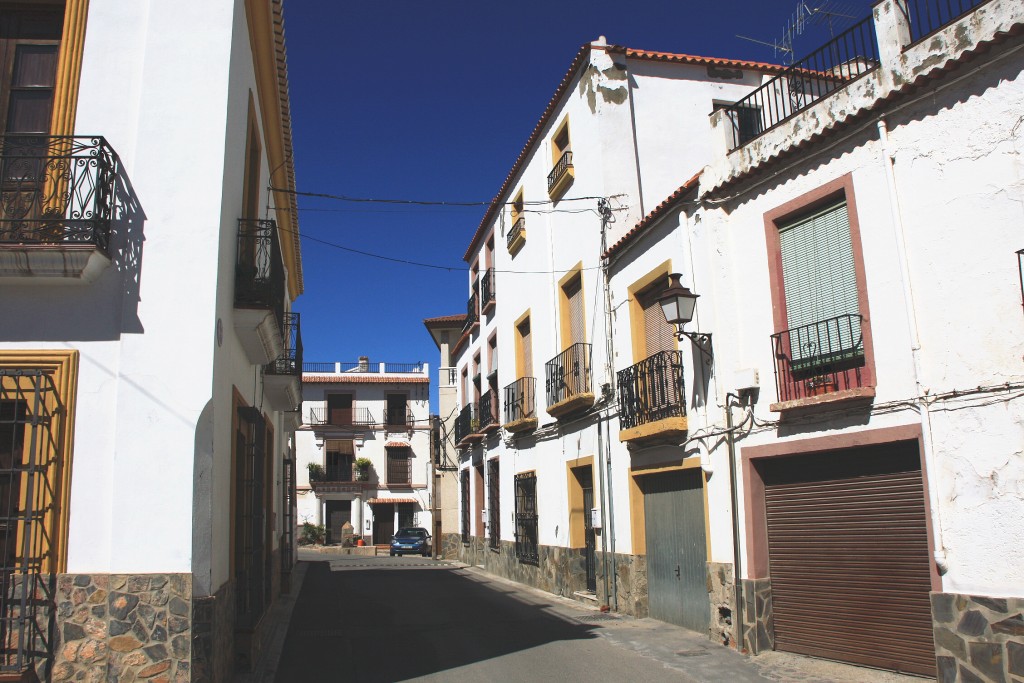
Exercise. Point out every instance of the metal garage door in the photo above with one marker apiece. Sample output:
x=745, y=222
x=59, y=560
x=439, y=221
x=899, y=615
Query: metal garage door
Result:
x=676, y=548
x=848, y=553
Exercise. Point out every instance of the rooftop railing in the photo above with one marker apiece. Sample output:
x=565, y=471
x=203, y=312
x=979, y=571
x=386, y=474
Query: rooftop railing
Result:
x=373, y=368
x=929, y=16
x=841, y=61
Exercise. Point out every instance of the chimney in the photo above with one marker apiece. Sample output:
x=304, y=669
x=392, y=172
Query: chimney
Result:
x=364, y=363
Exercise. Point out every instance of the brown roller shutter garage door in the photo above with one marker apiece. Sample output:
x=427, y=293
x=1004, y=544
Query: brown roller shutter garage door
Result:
x=848, y=556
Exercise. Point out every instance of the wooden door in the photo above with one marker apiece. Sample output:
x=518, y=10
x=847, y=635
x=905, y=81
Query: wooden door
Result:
x=383, y=523
x=339, y=408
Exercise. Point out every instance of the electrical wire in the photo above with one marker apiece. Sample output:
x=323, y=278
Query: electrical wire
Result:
x=370, y=200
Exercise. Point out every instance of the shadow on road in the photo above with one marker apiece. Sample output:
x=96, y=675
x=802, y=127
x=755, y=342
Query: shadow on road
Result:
x=389, y=625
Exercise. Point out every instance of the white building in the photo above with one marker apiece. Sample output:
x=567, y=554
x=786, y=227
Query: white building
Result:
x=148, y=356
x=534, y=364
x=379, y=412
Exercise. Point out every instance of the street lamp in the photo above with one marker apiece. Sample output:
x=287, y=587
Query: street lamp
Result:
x=677, y=303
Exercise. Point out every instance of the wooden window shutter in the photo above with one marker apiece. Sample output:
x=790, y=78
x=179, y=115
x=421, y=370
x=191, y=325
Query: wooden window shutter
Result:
x=658, y=334
x=574, y=297
x=818, y=273
x=524, y=339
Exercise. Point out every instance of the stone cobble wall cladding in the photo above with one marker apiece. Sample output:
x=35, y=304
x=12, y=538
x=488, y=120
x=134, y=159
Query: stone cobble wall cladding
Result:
x=451, y=546
x=630, y=572
x=213, y=636
x=758, y=620
x=722, y=595
x=124, y=627
x=978, y=638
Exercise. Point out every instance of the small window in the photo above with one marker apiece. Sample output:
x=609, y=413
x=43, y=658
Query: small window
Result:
x=561, y=175
x=464, y=481
x=745, y=119
x=526, y=518
x=516, y=237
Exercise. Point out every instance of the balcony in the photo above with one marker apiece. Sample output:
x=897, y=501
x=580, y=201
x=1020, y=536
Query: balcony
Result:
x=345, y=419
x=448, y=377
x=487, y=292
x=823, y=362
x=561, y=176
x=398, y=419
x=344, y=478
x=489, y=420
x=472, y=312
x=516, y=236
x=652, y=401
x=568, y=381
x=841, y=61
x=57, y=199
x=467, y=426
x=521, y=405
x=282, y=379
x=259, y=291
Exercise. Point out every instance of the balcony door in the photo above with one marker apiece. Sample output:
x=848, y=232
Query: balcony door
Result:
x=397, y=409
x=339, y=409
x=29, y=45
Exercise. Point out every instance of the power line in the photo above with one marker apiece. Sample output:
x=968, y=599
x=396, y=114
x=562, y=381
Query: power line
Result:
x=370, y=200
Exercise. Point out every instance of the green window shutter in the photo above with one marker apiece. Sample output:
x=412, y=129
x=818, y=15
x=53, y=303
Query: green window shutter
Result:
x=820, y=284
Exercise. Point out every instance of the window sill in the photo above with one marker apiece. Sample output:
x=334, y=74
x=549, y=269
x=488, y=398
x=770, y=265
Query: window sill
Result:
x=859, y=394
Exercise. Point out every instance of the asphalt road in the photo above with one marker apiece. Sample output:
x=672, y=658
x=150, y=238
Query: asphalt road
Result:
x=382, y=619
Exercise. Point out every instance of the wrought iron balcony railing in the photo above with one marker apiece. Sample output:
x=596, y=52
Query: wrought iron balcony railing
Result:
x=568, y=374
x=488, y=411
x=465, y=423
x=562, y=166
x=517, y=229
x=259, y=271
x=652, y=390
x=520, y=400
x=928, y=16
x=841, y=61
x=472, y=311
x=356, y=417
x=487, y=289
x=820, y=358
x=290, y=362
x=57, y=190
x=398, y=417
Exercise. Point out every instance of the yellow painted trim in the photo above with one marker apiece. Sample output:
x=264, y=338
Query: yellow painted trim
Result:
x=523, y=425
x=520, y=356
x=637, y=518
x=577, y=515
x=563, y=183
x=556, y=150
x=659, y=428
x=571, y=404
x=69, y=68
x=636, y=311
x=64, y=368
x=564, y=321
x=518, y=242
x=266, y=40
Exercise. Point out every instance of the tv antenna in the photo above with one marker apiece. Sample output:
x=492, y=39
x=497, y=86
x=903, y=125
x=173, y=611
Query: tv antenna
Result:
x=837, y=14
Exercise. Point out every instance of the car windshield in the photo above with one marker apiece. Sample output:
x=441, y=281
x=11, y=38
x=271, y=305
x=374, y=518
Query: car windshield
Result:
x=418, y=533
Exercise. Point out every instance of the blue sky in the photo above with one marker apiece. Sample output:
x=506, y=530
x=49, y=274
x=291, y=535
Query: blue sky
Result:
x=432, y=101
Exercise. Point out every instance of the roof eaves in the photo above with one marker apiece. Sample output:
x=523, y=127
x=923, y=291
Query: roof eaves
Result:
x=684, y=190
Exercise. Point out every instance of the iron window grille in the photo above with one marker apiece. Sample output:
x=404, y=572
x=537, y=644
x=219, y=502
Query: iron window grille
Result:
x=652, y=390
x=250, y=555
x=847, y=57
x=399, y=467
x=57, y=190
x=819, y=358
x=520, y=399
x=288, y=509
x=526, y=518
x=493, y=505
x=568, y=373
x=31, y=426
x=465, y=506
x=259, y=270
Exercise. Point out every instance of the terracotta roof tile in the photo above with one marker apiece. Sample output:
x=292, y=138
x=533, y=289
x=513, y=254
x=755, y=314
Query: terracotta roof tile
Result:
x=443, y=320
x=318, y=378
x=653, y=217
x=397, y=444
x=563, y=86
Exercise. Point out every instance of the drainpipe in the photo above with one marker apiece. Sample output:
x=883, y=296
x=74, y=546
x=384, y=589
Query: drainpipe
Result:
x=737, y=568
x=600, y=479
x=929, y=464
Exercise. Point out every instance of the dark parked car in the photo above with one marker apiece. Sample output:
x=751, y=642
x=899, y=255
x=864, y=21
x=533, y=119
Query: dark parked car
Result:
x=411, y=539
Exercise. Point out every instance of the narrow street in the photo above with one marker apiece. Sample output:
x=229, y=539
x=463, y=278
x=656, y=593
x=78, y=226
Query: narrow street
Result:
x=380, y=619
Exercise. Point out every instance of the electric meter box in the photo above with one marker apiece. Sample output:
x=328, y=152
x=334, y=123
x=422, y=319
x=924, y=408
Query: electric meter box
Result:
x=595, y=518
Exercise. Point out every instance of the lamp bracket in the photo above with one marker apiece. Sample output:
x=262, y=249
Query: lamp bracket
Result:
x=702, y=340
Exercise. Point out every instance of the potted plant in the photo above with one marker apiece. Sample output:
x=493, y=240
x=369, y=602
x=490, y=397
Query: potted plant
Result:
x=363, y=469
x=316, y=471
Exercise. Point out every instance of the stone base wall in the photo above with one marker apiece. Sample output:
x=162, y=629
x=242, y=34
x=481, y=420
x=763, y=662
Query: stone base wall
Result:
x=123, y=627
x=978, y=638
x=722, y=596
x=450, y=546
x=213, y=636
x=561, y=571
x=758, y=620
